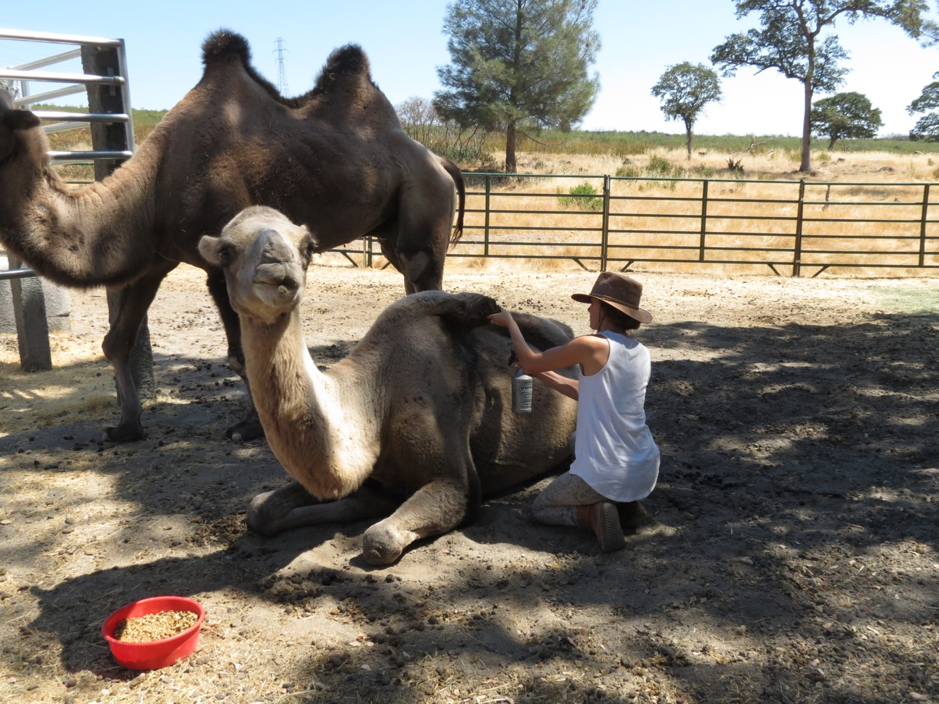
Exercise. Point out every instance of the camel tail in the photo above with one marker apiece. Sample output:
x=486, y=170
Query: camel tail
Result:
x=457, y=177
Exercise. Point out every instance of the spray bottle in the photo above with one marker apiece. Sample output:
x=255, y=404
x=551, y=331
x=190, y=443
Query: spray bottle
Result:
x=521, y=388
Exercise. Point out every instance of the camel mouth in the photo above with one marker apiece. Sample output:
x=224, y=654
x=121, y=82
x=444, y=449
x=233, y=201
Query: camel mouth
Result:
x=276, y=274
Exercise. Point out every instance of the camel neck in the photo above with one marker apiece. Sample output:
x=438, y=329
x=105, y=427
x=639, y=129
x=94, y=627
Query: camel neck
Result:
x=96, y=236
x=338, y=444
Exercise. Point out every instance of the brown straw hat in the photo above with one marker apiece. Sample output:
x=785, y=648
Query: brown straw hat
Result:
x=621, y=292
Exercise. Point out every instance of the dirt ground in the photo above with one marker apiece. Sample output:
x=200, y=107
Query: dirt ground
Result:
x=791, y=554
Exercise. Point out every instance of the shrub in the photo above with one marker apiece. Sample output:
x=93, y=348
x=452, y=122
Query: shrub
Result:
x=663, y=168
x=583, y=197
x=629, y=171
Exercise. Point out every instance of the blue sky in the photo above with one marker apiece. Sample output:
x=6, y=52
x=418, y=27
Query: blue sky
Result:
x=405, y=44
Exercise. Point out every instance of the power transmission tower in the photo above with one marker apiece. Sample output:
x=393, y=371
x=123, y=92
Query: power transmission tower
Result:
x=281, y=73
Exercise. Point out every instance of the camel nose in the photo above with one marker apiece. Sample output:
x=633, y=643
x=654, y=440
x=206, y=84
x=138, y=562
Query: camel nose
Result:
x=276, y=267
x=276, y=274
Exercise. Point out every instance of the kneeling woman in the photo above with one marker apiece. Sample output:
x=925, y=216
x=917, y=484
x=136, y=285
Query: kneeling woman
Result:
x=616, y=461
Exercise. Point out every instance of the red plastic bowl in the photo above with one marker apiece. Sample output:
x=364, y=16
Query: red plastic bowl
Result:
x=156, y=653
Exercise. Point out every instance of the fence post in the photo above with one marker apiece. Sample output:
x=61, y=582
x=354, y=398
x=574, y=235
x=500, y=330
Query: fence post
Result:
x=32, y=327
x=704, y=219
x=922, y=226
x=105, y=61
x=486, y=229
x=605, y=227
x=797, y=249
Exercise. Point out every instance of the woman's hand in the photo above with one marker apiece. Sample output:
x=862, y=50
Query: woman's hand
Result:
x=501, y=318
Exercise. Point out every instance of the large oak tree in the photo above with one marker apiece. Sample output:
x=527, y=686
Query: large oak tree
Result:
x=518, y=65
x=791, y=40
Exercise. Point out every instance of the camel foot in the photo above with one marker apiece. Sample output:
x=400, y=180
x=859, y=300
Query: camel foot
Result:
x=261, y=513
x=382, y=545
x=125, y=431
x=244, y=431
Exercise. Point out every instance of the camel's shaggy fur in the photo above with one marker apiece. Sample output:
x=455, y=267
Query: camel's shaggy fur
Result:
x=334, y=159
x=422, y=403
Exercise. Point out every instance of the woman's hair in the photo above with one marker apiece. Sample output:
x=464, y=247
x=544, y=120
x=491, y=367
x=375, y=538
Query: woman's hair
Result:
x=618, y=318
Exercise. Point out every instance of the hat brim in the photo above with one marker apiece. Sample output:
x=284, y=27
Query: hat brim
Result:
x=643, y=316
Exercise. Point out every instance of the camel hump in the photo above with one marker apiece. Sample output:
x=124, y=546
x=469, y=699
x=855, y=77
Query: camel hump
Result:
x=225, y=44
x=342, y=64
x=464, y=309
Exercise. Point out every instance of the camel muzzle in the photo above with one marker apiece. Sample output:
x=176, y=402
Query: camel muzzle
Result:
x=276, y=274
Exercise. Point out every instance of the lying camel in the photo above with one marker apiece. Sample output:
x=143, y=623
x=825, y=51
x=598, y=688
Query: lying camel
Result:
x=334, y=159
x=421, y=403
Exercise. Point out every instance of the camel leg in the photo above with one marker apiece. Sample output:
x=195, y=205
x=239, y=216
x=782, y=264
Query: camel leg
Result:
x=292, y=506
x=437, y=507
x=249, y=428
x=133, y=302
x=419, y=247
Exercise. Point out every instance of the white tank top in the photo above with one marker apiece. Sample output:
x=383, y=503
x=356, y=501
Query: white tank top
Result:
x=614, y=450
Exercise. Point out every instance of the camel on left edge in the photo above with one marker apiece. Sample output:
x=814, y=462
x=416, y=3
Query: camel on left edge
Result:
x=334, y=159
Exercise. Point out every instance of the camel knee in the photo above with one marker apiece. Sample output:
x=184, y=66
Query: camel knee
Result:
x=237, y=365
x=421, y=271
x=115, y=347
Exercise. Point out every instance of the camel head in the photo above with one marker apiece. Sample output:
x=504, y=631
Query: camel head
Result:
x=264, y=256
x=12, y=123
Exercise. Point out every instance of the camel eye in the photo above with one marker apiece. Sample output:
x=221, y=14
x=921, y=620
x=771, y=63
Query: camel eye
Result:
x=308, y=247
x=225, y=255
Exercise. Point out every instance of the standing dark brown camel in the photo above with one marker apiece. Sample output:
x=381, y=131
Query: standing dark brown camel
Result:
x=334, y=159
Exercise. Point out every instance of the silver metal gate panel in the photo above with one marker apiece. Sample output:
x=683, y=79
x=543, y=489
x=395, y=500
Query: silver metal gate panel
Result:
x=48, y=306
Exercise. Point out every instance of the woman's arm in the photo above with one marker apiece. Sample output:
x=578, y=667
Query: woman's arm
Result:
x=560, y=383
x=588, y=351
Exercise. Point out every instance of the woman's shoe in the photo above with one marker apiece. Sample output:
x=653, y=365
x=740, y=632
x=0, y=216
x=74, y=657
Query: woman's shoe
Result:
x=603, y=518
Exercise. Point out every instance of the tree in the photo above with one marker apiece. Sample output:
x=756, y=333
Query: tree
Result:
x=790, y=40
x=518, y=65
x=684, y=90
x=845, y=116
x=927, y=127
x=420, y=122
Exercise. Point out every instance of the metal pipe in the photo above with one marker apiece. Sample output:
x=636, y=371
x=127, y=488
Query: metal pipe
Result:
x=797, y=247
x=16, y=274
x=57, y=59
x=64, y=116
x=55, y=77
x=922, y=227
x=80, y=157
x=28, y=100
x=55, y=38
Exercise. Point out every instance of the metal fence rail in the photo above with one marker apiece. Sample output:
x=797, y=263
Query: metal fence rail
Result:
x=617, y=221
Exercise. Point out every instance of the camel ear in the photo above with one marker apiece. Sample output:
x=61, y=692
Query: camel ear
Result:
x=20, y=120
x=208, y=248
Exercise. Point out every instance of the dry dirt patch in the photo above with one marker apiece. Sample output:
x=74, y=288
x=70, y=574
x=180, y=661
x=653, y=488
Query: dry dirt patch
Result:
x=792, y=555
